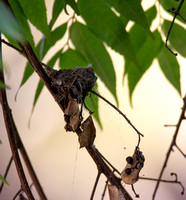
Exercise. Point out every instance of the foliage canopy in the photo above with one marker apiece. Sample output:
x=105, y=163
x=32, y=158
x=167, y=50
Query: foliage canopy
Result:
x=104, y=24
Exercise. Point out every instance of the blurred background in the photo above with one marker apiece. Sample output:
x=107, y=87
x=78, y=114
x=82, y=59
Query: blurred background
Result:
x=67, y=172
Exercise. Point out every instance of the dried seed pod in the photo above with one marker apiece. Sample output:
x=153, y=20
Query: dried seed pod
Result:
x=88, y=134
x=129, y=160
x=71, y=115
x=130, y=174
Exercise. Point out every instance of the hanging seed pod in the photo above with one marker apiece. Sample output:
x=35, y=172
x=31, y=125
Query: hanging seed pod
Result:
x=135, y=163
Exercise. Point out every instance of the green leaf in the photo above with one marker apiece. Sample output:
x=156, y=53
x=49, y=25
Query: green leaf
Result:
x=27, y=73
x=71, y=59
x=95, y=53
x=18, y=11
x=56, y=35
x=138, y=36
x=91, y=101
x=3, y=85
x=132, y=10
x=170, y=67
x=3, y=180
x=35, y=11
x=145, y=54
x=169, y=4
x=73, y=5
x=107, y=26
x=177, y=37
x=57, y=9
x=9, y=25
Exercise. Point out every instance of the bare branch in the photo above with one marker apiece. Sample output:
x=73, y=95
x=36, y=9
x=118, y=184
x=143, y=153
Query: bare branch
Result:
x=173, y=143
x=9, y=123
x=12, y=131
x=95, y=185
x=166, y=181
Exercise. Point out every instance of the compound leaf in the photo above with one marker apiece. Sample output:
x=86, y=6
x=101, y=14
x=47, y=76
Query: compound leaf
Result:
x=95, y=53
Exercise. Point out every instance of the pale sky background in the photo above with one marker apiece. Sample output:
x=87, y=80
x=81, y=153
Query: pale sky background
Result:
x=67, y=172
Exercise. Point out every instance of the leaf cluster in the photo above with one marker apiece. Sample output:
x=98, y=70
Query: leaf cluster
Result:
x=104, y=25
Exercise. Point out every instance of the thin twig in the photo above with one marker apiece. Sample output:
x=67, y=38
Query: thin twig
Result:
x=170, y=125
x=176, y=13
x=17, y=193
x=137, y=195
x=104, y=191
x=184, y=155
x=6, y=172
x=121, y=113
x=95, y=184
x=166, y=181
x=182, y=116
x=20, y=51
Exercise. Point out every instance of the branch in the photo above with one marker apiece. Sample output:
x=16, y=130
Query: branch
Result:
x=103, y=167
x=173, y=143
x=15, y=138
x=166, y=181
x=176, y=13
x=94, y=153
x=11, y=136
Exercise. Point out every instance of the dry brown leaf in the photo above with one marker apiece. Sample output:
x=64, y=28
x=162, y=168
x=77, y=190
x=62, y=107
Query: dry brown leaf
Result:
x=114, y=193
x=71, y=114
x=88, y=133
x=130, y=174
